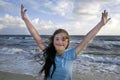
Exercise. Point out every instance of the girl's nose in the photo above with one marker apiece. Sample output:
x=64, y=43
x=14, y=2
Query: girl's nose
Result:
x=60, y=43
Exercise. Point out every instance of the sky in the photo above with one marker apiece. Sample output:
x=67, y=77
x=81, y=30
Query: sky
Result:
x=78, y=17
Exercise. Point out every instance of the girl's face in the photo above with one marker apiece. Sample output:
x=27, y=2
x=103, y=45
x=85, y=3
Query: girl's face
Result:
x=60, y=42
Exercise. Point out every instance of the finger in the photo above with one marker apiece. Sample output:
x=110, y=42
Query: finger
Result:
x=102, y=16
x=104, y=11
x=22, y=6
x=109, y=19
x=25, y=10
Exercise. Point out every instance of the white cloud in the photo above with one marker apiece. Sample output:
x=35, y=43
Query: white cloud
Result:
x=60, y=7
x=86, y=11
x=1, y=26
x=10, y=21
x=77, y=16
x=87, y=8
x=9, y=7
x=63, y=7
x=113, y=25
x=11, y=25
x=15, y=25
x=3, y=5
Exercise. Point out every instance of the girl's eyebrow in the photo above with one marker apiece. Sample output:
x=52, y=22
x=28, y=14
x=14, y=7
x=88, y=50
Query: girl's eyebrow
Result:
x=66, y=37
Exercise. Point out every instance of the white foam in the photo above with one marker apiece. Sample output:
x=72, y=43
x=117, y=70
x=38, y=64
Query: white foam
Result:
x=6, y=50
x=100, y=59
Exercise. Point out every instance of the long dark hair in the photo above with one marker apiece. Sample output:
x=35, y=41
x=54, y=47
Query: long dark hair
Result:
x=50, y=54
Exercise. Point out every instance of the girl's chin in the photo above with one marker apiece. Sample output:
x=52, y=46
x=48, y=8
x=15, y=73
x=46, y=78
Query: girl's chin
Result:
x=60, y=47
x=60, y=50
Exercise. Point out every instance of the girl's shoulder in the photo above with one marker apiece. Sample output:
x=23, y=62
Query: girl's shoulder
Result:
x=70, y=53
x=71, y=50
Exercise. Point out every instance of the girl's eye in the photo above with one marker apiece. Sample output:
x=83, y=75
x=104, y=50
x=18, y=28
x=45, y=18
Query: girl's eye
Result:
x=63, y=39
x=57, y=39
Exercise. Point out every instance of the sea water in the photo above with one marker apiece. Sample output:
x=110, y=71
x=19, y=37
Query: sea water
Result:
x=17, y=54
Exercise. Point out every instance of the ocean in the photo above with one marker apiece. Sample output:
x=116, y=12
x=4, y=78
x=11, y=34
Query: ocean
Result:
x=18, y=54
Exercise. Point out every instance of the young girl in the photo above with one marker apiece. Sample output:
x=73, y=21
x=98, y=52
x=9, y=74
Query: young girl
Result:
x=58, y=60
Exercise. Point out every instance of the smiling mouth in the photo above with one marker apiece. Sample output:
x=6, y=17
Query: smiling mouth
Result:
x=59, y=44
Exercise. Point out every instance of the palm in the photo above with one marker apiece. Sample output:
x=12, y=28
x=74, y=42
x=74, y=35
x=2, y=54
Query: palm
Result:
x=23, y=12
x=104, y=18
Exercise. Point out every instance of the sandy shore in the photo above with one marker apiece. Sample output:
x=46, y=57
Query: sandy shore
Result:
x=13, y=76
x=95, y=76
x=80, y=76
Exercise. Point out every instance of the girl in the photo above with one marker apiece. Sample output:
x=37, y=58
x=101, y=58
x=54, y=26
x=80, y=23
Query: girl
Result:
x=58, y=60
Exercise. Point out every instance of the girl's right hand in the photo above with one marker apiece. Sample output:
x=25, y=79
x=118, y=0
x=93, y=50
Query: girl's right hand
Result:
x=23, y=12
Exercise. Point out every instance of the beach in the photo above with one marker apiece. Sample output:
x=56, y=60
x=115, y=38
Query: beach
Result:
x=96, y=76
x=99, y=61
x=14, y=76
x=80, y=76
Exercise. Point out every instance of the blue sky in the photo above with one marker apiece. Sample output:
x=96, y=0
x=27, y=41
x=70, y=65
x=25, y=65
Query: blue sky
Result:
x=76, y=16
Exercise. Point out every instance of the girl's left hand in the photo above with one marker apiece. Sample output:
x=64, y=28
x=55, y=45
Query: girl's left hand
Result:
x=104, y=18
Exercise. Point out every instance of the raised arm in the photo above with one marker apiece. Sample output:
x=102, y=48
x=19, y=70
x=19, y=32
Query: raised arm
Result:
x=34, y=33
x=91, y=34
